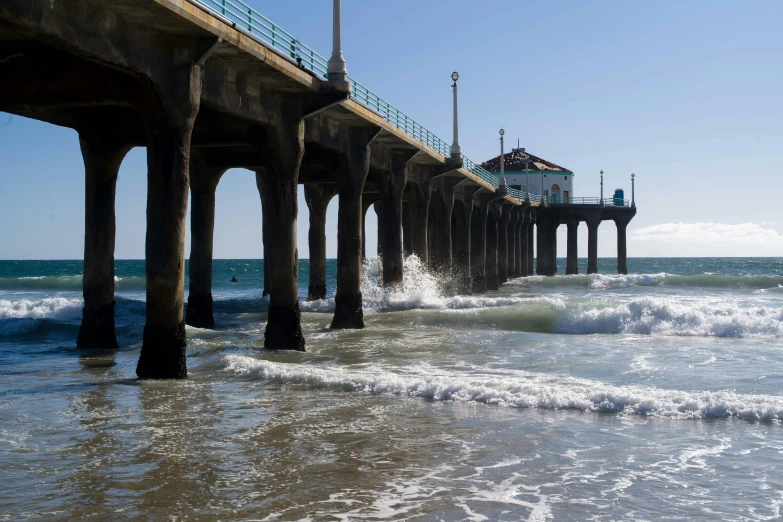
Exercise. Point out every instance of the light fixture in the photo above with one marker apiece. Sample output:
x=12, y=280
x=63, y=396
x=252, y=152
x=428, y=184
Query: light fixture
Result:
x=455, y=76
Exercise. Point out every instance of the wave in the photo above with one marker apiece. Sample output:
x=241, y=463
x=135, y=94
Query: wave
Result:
x=663, y=279
x=518, y=389
x=662, y=316
x=65, y=283
x=26, y=315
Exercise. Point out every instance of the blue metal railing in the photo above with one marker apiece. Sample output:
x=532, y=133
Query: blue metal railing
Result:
x=246, y=19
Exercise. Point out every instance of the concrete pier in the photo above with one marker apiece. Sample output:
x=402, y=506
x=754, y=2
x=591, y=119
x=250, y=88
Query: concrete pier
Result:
x=353, y=170
x=504, y=252
x=204, y=94
x=461, y=238
x=283, y=149
x=103, y=152
x=572, y=268
x=317, y=198
x=592, y=245
x=478, y=243
x=622, y=224
x=204, y=179
x=418, y=193
x=442, y=204
x=390, y=221
x=524, y=226
x=515, y=254
x=169, y=130
x=494, y=213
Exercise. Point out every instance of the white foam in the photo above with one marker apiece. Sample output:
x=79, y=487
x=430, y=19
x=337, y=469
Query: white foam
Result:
x=601, y=282
x=518, y=389
x=672, y=316
x=47, y=308
x=420, y=289
x=24, y=315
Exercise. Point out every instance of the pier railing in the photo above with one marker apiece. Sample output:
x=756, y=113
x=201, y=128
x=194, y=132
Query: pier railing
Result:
x=244, y=18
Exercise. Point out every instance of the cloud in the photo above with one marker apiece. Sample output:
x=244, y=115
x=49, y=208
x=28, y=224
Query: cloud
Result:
x=711, y=233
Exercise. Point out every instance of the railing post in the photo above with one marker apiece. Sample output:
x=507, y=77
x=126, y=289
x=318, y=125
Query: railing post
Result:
x=250, y=20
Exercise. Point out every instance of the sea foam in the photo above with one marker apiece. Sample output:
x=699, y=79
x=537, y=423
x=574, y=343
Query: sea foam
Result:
x=517, y=390
x=670, y=316
x=24, y=315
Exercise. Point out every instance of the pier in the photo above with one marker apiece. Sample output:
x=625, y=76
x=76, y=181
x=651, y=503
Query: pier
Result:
x=209, y=85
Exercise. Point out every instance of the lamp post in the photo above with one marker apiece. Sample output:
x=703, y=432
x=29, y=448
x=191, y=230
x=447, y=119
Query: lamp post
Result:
x=527, y=178
x=602, y=188
x=633, y=188
x=456, y=152
x=336, y=70
x=502, y=184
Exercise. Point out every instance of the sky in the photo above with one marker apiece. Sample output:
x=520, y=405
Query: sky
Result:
x=686, y=95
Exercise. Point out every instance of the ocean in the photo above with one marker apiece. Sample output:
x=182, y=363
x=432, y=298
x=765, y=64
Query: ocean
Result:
x=656, y=395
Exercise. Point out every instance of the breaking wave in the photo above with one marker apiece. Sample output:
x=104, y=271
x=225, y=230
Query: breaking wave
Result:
x=25, y=315
x=518, y=389
x=661, y=316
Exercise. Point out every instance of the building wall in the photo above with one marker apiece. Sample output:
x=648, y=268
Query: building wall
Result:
x=564, y=181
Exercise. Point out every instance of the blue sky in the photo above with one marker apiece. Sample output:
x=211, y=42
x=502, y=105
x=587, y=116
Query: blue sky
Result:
x=687, y=95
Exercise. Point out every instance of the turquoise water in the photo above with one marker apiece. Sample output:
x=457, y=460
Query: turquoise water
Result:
x=648, y=396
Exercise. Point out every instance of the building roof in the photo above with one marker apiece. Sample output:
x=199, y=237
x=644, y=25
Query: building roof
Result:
x=515, y=162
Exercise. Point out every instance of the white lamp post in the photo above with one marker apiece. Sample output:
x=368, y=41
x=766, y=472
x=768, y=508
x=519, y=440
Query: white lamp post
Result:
x=602, y=188
x=502, y=183
x=456, y=152
x=336, y=70
x=633, y=187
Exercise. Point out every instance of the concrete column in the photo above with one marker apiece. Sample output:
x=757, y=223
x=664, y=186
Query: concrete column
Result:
x=461, y=239
x=418, y=209
x=531, y=223
x=204, y=179
x=406, y=229
x=443, y=205
x=592, y=245
x=390, y=220
x=572, y=267
x=493, y=221
x=622, y=264
x=512, y=241
x=317, y=197
x=478, y=246
x=543, y=244
x=283, y=149
x=168, y=178
x=102, y=154
x=524, y=226
x=352, y=173
x=504, y=250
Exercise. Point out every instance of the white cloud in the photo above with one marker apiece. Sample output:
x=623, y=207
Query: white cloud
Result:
x=709, y=233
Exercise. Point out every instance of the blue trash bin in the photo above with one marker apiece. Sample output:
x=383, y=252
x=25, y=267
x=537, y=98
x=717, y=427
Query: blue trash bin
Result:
x=619, y=197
